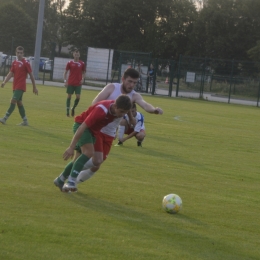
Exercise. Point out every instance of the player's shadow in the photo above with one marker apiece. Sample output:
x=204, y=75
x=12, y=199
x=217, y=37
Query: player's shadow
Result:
x=126, y=213
x=174, y=227
x=156, y=155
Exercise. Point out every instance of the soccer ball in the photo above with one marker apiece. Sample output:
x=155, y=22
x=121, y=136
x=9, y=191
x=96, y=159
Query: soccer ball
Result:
x=172, y=203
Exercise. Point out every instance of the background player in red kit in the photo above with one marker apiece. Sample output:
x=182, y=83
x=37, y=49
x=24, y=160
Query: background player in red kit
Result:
x=19, y=70
x=87, y=127
x=77, y=71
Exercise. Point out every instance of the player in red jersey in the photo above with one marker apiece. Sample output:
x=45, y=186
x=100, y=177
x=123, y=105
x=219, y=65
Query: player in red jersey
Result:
x=77, y=71
x=19, y=70
x=110, y=92
x=87, y=127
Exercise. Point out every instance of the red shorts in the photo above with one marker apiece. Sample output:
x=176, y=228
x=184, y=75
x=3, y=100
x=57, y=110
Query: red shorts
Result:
x=103, y=144
x=130, y=130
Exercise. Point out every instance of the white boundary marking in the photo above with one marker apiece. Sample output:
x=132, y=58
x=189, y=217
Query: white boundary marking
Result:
x=178, y=118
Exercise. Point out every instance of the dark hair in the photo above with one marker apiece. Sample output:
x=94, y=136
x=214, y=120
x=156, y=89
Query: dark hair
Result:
x=124, y=102
x=133, y=105
x=19, y=48
x=75, y=50
x=130, y=72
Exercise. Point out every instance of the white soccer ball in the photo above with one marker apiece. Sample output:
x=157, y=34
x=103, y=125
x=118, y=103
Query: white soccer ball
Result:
x=172, y=203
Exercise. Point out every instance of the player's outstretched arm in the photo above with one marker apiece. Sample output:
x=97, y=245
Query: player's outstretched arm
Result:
x=146, y=106
x=128, y=137
x=9, y=75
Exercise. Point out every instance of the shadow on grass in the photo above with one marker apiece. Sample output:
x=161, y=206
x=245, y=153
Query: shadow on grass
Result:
x=156, y=155
x=158, y=219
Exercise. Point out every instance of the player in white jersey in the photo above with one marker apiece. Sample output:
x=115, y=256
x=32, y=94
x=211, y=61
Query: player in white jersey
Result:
x=112, y=91
x=108, y=133
x=137, y=130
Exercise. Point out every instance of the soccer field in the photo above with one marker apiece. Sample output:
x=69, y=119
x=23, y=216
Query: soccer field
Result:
x=206, y=152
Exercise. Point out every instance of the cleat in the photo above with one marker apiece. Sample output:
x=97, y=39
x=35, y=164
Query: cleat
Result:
x=139, y=143
x=68, y=115
x=3, y=121
x=69, y=187
x=58, y=183
x=119, y=144
x=72, y=111
x=24, y=123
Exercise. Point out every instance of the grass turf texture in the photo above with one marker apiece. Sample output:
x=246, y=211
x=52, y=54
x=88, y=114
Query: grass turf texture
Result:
x=206, y=152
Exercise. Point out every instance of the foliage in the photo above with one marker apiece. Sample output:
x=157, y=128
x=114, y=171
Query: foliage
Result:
x=130, y=25
x=55, y=25
x=16, y=27
x=225, y=29
x=254, y=53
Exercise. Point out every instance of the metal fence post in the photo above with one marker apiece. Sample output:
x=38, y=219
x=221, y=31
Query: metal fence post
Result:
x=12, y=51
x=119, y=66
x=43, y=78
x=154, y=76
x=258, y=96
x=86, y=65
x=4, y=69
x=171, y=70
x=147, y=79
x=231, y=76
x=53, y=47
x=178, y=76
x=211, y=80
x=202, y=78
x=108, y=65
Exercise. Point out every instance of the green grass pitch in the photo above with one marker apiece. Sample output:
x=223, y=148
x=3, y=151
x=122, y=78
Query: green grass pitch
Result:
x=206, y=152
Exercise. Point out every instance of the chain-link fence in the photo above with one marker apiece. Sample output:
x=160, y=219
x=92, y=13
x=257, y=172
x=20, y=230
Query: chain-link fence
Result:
x=188, y=77
x=219, y=77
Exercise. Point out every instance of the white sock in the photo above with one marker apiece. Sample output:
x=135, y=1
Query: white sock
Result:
x=72, y=179
x=121, y=131
x=84, y=175
x=62, y=178
x=88, y=164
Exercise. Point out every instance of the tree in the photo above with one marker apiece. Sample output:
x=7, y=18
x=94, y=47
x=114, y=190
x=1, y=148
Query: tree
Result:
x=55, y=25
x=22, y=32
x=102, y=23
x=161, y=27
x=254, y=53
x=226, y=29
x=174, y=24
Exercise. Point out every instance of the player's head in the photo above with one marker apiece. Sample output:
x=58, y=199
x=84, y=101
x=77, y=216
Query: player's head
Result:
x=129, y=79
x=133, y=109
x=19, y=51
x=76, y=54
x=122, y=105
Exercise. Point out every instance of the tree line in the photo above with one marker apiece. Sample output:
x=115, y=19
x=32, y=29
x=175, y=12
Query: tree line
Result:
x=225, y=29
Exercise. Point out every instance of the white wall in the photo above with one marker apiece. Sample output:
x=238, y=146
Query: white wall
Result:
x=1, y=59
x=59, y=67
x=99, y=63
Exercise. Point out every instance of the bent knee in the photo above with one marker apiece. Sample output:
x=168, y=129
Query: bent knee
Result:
x=95, y=168
x=140, y=135
x=97, y=161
